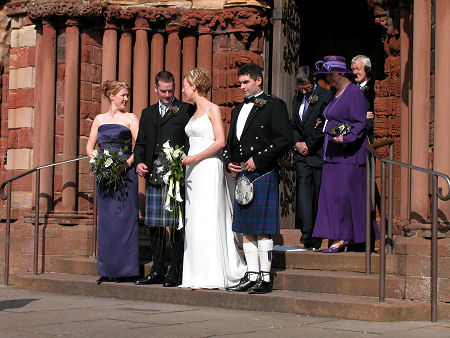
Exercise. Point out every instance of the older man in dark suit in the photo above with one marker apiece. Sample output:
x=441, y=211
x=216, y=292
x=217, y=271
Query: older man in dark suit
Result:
x=159, y=123
x=361, y=68
x=306, y=123
x=259, y=135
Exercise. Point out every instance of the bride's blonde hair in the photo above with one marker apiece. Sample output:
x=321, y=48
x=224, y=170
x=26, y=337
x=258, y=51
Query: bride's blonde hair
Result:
x=201, y=79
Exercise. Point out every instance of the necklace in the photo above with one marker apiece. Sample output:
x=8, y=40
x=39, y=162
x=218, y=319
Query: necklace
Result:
x=340, y=91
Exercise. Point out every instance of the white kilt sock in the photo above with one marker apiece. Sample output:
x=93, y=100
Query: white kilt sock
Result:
x=265, y=248
x=251, y=256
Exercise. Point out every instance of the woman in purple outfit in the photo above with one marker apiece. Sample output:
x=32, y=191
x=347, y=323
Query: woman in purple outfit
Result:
x=341, y=212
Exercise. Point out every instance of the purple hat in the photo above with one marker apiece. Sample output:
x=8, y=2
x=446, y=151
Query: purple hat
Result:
x=332, y=64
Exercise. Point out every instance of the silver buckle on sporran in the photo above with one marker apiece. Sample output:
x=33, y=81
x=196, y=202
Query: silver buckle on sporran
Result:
x=243, y=192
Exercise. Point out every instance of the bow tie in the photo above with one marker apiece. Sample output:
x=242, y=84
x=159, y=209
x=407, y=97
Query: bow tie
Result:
x=250, y=99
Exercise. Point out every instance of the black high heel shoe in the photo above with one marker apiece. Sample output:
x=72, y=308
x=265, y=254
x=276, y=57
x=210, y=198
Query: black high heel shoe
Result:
x=101, y=280
x=105, y=279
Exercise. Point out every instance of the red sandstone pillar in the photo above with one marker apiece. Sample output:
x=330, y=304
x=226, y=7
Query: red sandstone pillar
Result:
x=204, y=51
x=37, y=105
x=156, y=62
x=140, y=67
x=405, y=109
x=125, y=48
x=173, y=56
x=140, y=83
x=70, y=144
x=442, y=99
x=420, y=108
x=189, y=53
x=109, y=58
x=47, y=125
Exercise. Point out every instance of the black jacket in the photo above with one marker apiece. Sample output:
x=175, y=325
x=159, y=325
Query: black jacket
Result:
x=369, y=94
x=304, y=130
x=266, y=135
x=154, y=131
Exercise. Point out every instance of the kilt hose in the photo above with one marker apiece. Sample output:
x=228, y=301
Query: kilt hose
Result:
x=261, y=215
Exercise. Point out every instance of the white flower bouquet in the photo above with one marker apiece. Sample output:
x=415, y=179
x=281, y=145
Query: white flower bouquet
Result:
x=172, y=171
x=107, y=166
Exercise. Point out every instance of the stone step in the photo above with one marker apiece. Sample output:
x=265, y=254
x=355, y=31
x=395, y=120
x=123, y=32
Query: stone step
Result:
x=314, y=304
x=342, y=261
x=346, y=261
x=82, y=265
x=338, y=282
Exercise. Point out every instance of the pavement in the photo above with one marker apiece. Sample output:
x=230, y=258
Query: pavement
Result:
x=40, y=314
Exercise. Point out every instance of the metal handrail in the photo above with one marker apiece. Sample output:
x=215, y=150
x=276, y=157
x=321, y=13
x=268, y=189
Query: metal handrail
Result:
x=370, y=196
x=436, y=192
x=7, y=196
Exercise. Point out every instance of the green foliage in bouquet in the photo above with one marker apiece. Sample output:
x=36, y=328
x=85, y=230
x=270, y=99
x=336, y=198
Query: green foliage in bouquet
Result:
x=341, y=129
x=107, y=166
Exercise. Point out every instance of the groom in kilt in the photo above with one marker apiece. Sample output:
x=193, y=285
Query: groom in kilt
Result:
x=259, y=135
x=159, y=123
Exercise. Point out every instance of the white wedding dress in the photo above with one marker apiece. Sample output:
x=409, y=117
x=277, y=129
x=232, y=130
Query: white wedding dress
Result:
x=211, y=256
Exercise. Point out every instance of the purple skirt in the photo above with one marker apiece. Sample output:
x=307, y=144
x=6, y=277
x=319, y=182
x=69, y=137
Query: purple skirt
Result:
x=341, y=212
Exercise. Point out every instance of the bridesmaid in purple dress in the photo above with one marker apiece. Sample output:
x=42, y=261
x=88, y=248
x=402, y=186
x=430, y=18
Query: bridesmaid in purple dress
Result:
x=118, y=241
x=341, y=211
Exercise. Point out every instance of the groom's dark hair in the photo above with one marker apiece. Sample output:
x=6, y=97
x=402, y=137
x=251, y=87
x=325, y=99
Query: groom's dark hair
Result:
x=251, y=69
x=164, y=76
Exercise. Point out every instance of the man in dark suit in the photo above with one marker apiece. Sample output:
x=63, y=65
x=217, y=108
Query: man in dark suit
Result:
x=160, y=123
x=361, y=67
x=259, y=135
x=307, y=124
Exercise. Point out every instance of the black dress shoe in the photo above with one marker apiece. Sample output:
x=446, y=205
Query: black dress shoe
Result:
x=103, y=279
x=171, y=281
x=244, y=284
x=261, y=286
x=151, y=278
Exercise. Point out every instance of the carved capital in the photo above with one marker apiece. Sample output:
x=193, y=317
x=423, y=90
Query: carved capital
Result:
x=43, y=9
x=230, y=19
x=141, y=24
x=382, y=11
x=16, y=8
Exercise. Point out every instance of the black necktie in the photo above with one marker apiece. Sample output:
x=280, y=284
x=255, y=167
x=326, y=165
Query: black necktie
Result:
x=250, y=99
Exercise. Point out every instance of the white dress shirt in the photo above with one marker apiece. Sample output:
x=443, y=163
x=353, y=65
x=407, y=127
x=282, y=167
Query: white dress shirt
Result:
x=242, y=118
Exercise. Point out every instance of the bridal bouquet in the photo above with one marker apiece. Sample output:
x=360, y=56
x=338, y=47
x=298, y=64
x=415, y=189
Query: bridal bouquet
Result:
x=172, y=171
x=107, y=166
x=341, y=129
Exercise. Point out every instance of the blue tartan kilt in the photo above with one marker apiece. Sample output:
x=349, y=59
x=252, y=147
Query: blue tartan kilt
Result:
x=155, y=214
x=261, y=216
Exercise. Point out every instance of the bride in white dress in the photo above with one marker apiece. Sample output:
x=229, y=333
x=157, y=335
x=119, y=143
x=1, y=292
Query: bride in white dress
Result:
x=211, y=256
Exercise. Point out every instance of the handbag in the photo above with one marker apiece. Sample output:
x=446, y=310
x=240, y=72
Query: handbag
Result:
x=244, y=191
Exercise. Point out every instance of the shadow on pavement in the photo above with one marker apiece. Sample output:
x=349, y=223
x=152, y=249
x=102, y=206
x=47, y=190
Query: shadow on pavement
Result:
x=15, y=303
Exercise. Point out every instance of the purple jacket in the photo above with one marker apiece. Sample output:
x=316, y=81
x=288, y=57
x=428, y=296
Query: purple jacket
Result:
x=350, y=108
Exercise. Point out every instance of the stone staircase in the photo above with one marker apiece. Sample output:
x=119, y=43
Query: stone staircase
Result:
x=306, y=283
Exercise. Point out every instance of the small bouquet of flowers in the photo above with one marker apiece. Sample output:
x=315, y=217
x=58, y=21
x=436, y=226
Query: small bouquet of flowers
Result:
x=107, y=166
x=341, y=129
x=172, y=171
x=313, y=99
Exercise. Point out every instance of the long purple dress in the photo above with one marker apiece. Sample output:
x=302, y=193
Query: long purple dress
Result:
x=118, y=241
x=341, y=211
